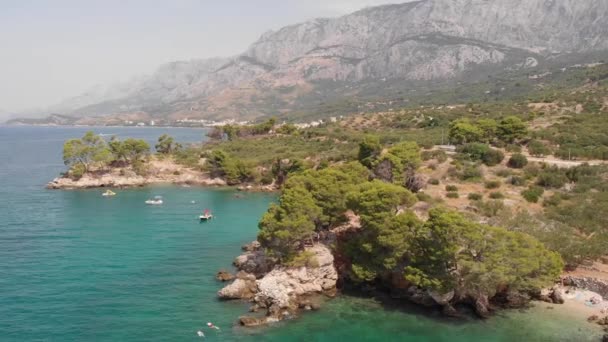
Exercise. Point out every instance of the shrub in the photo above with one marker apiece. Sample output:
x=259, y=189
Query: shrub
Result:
x=531, y=171
x=552, y=178
x=423, y=197
x=503, y=173
x=438, y=155
x=512, y=148
x=471, y=172
x=452, y=195
x=490, y=208
x=517, y=161
x=492, y=184
x=434, y=181
x=481, y=152
x=493, y=157
x=552, y=201
x=497, y=195
x=533, y=194
x=77, y=171
x=517, y=181
x=451, y=188
x=475, y=196
x=538, y=149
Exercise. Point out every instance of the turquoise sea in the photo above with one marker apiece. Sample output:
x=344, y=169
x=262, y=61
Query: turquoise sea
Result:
x=75, y=266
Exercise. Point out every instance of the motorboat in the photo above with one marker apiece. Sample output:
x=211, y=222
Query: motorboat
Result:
x=206, y=216
x=158, y=200
x=108, y=193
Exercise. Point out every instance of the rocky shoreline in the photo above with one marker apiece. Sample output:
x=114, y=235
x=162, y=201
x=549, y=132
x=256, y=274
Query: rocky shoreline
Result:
x=164, y=171
x=278, y=292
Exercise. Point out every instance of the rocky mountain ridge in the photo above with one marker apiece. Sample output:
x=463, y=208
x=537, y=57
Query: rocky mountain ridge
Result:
x=294, y=67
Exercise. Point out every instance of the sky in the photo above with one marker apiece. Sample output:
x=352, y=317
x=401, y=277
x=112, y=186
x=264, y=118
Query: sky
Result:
x=51, y=50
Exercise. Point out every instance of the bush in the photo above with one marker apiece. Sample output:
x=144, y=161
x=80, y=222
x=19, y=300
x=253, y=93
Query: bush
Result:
x=497, y=195
x=77, y=171
x=451, y=188
x=471, y=172
x=513, y=148
x=475, y=196
x=552, y=201
x=517, y=181
x=452, y=195
x=434, y=181
x=538, y=149
x=492, y=184
x=481, y=152
x=517, y=161
x=503, y=173
x=490, y=208
x=438, y=155
x=533, y=194
x=493, y=157
x=422, y=197
x=552, y=178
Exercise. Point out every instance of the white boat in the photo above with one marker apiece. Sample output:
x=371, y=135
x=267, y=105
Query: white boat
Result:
x=206, y=216
x=108, y=193
x=156, y=201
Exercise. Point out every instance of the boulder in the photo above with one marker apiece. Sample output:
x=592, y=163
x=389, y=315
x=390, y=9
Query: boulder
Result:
x=254, y=262
x=482, y=306
x=593, y=318
x=605, y=338
x=557, y=296
x=442, y=299
x=249, y=321
x=224, y=276
x=252, y=246
x=240, y=288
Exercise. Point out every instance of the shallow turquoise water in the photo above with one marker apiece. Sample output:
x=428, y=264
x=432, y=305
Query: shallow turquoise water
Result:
x=75, y=266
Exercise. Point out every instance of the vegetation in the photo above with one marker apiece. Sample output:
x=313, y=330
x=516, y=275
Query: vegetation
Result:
x=517, y=161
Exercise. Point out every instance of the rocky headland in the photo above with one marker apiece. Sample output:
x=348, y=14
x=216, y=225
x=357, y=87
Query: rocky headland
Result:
x=279, y=292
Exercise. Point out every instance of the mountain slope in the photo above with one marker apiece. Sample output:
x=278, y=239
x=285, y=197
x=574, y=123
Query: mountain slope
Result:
x=294, y=67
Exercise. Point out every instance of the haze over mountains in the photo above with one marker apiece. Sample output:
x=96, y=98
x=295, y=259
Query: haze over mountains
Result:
x=303, y=65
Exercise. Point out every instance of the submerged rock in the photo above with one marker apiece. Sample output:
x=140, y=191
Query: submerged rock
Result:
x=249, y=321
x=224, y=276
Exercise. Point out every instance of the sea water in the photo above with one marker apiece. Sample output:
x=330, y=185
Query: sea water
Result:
x=75, y=266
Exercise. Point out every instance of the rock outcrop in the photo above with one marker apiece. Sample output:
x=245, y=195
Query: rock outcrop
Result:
x=598, y=286
x=283, y=290
x=224, y=276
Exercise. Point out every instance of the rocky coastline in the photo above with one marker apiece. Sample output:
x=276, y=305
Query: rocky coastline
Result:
x=279, y=292
x=159, y=171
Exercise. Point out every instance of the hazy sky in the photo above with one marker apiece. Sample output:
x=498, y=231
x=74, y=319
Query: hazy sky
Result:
x=54, y=49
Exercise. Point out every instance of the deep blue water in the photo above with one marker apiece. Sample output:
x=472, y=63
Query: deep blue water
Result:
x=75, y=266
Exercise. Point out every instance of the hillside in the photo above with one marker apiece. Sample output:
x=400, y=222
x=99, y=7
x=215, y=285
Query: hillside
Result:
x=379, y=52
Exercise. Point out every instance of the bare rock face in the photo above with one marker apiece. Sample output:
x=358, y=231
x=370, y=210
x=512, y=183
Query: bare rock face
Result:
x=284, y=290
x=244, y=287
x=255, y=262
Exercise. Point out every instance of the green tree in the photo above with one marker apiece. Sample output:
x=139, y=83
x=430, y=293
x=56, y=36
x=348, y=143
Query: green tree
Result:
x=90, y=149
x=369, y=150
x=166, y=144
x=488, y=127
x=462, y=131
x=511, y=128
x=287, y=225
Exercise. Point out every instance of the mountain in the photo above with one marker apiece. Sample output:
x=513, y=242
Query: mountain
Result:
x=359, y=55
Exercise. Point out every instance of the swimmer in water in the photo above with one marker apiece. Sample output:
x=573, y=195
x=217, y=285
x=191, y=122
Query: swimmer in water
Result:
x=210, y=325
x=200, y=333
